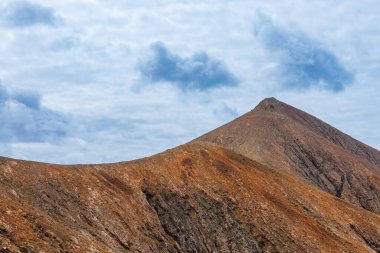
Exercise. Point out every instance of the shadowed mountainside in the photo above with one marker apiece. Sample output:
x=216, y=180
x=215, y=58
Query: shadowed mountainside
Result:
x=195, y=198
x=285, y=138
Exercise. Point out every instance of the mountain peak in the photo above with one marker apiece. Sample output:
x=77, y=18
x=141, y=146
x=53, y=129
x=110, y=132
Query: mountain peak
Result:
x=286, y=138
x=270, y=104
x=270, y=100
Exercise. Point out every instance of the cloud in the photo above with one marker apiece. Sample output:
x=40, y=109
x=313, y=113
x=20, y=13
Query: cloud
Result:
x=86, y=69
x=225, y=112
x=30, y=99
x=65, y=43
x=25, y=120
x=3, y=96
x=26, y=14
x=303, y=62
x=198, y=72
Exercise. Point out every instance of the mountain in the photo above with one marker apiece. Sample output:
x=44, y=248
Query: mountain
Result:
x=287, y=139
x=198, y=197
x=194, y=198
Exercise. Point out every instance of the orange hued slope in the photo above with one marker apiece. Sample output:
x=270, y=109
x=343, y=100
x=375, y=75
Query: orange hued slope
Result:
x=274, y=180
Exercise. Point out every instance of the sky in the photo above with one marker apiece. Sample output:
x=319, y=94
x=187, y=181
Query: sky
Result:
x=95, y=81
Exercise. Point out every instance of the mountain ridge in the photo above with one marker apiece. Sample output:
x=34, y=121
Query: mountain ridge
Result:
x=200, y=197
x=197, y=197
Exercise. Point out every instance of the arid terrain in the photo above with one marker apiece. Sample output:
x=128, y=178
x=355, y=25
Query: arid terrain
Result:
x=287, y=139
x=274, y=180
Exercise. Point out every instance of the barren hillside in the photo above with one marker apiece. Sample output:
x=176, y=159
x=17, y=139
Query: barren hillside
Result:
x=287, y=139
x=263, y=187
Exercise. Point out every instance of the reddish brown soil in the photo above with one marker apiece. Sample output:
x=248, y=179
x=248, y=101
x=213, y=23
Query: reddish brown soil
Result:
x=195, y=198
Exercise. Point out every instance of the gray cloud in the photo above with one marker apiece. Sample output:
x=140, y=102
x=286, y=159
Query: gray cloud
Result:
x=3, y=96
x=198, y=72
x=25, y=120
x=25, y=14
x=30, y=99
x=303, y=62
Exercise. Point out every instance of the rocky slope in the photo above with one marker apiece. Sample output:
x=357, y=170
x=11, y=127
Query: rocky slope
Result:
x=285, y=138
x=195, y=198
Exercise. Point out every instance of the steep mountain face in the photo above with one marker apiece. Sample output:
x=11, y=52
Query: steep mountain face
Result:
x=195, y=198
x=287, y=139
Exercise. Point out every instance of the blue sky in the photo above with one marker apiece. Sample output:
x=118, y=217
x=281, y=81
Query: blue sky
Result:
x=90, y=81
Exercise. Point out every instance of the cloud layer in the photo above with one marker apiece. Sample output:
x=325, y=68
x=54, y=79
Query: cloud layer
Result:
x=302, y=61
x=25, y=14
x=197, y=72
x=70, y=71
x=24, y=120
